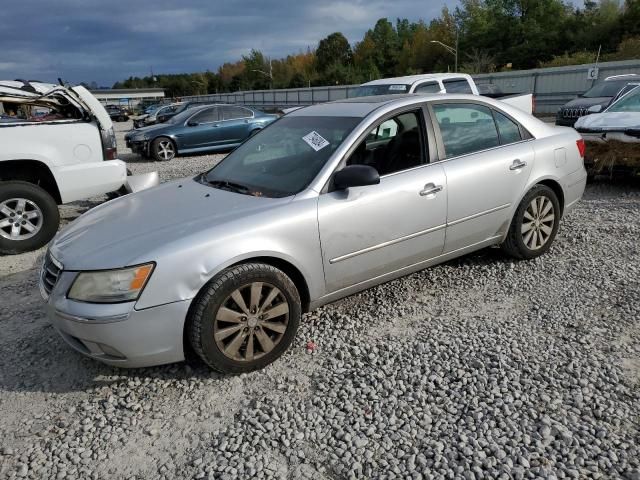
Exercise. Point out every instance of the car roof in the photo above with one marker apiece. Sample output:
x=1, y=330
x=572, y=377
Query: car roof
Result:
x=362, y=106
x=411, y=79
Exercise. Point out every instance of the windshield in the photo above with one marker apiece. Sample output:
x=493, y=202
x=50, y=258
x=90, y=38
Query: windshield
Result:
x=182, y=116
x=605, y=89
x=629, y=103
x=389, y=89
x=282, y=159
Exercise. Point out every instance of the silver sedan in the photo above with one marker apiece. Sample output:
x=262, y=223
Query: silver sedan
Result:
x=327, y=201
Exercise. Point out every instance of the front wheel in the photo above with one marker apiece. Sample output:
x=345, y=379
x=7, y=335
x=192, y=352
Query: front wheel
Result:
x=245, y=318
x=534, y=225
x=163, y=149
x=29, y=217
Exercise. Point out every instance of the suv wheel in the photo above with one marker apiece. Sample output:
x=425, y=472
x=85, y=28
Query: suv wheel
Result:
x=245, y=318
x=29, y=217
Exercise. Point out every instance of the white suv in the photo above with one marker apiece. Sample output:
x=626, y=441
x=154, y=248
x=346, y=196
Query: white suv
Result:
x=58, y=146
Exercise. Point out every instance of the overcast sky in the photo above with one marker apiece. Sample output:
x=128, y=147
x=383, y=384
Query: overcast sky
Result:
x=110, y=40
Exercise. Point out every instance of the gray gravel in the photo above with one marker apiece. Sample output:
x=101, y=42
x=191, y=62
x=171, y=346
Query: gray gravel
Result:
x=478, y=368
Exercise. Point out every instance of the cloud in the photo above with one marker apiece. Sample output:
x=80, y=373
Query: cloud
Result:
x=108, y=41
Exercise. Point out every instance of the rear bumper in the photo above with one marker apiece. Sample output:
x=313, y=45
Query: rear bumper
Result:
x=574, y=186
x=84, y=180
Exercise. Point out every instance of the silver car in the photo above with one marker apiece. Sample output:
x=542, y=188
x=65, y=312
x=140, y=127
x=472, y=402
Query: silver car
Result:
x=327, y=201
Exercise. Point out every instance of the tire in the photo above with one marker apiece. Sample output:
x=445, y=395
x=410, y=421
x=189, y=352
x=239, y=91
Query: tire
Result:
x=38, y=212
x=247, y=344
x=163, y=149
x=530, y=234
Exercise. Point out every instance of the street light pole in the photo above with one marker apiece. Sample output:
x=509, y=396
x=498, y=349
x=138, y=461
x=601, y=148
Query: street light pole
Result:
x=451, y=50
x=270, y=74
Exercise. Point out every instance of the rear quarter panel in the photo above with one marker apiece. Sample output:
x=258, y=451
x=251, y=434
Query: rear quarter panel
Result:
x=557, y=159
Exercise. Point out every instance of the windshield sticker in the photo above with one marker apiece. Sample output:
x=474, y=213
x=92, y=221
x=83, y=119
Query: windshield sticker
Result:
x=315, y=140
x=398, y=87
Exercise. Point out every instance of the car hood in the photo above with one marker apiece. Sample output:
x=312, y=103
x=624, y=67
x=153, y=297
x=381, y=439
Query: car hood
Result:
x=131, y=229
x=150, y=129
x=609, y=121
x=583, y=102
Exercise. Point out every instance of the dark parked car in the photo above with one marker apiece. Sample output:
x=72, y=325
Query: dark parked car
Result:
x=596, y=99
x=117, y=113
x=198, y=129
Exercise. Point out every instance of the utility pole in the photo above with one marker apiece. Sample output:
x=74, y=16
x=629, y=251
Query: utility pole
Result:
x=451, y=50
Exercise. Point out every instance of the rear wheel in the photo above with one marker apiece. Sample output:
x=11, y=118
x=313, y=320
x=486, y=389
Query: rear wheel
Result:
x=163, y=149
x=534, y=225
x=29, y=217
x=245, y=318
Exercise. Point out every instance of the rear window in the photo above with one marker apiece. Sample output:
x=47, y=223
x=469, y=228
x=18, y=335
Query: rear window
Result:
x=389, y=89
x=457, y=86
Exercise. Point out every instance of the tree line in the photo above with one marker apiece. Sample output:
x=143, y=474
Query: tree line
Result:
x=492, y=35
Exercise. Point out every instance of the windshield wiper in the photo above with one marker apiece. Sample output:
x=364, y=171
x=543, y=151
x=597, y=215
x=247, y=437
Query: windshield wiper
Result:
x=231, y=186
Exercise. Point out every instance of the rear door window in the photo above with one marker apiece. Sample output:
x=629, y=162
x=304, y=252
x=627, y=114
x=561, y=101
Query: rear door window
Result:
x=208, y=115
x=509, y=130
x=429, y=87
x=465, y=128
x=458, y=85
x=233, y=113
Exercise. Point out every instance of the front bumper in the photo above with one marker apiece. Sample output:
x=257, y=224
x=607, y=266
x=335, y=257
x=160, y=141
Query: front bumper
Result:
x=118, y=334
x=138, y=146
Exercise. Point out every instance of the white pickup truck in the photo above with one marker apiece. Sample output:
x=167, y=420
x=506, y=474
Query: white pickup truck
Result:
x=57, y=145
x=440, y=83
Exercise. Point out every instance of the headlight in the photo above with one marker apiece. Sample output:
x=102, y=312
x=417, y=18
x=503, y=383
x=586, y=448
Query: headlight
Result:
x=111, y=286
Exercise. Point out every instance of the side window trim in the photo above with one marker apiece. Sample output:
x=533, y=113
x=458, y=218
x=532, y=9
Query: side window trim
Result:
x=441, y=156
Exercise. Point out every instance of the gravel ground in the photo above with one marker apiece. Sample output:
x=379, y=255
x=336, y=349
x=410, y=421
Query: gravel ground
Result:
x=478, y=368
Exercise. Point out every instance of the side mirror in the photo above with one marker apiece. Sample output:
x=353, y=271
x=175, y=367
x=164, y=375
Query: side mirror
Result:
x=192, y=123
x=355, y=176
x=595, y=109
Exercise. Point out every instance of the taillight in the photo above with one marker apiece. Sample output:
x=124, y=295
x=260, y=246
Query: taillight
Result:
x=109, y=144
x=581, y=147
x=533, y=104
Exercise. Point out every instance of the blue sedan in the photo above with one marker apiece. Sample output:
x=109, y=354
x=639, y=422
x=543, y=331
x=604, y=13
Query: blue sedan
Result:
x=200, y=129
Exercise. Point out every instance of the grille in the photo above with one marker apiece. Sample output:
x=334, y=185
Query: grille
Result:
x=50, y=272
x=574, y=112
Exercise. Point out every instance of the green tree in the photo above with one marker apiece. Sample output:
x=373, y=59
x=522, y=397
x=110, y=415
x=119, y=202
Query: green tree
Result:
x=333, y=50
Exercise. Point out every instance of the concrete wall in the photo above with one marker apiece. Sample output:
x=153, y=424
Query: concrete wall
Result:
x=552, y=87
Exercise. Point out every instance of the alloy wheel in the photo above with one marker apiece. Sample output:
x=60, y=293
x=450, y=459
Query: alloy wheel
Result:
x=251, y=321
x=538, y=222
x=166, y=150
x=20, y=219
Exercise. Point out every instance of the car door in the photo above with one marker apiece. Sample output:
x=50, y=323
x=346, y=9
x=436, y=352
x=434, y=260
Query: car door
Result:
x=236, y=123
x=202, y=130
x=366, y=232
x=487, y=161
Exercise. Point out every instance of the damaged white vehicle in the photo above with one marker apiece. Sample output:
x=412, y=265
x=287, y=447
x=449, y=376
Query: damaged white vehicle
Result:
x=57, y=145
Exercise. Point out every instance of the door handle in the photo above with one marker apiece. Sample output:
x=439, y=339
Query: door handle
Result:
x=517, y=164
x=430, y=189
